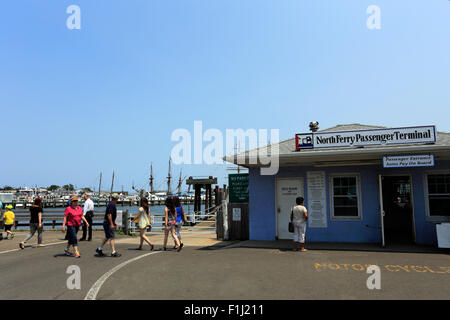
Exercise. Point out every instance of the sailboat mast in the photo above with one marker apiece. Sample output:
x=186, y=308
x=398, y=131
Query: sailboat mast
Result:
x=100, y=185
x=151, y=178
x=179, y=183
x=112, y=184
x=169, y=177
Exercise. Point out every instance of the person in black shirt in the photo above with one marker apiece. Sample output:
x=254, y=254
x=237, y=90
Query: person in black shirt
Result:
x=36, y=223
x=109, y=224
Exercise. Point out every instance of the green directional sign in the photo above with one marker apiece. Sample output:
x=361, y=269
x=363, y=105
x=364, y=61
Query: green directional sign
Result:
x=238, y=187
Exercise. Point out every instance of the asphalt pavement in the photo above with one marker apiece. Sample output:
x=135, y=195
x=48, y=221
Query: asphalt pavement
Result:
x=207, y=269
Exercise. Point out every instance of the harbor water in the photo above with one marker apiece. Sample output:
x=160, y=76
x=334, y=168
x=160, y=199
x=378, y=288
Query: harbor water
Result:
x=157, y=211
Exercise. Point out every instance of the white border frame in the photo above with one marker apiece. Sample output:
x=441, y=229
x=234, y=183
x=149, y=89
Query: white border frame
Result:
x=358, y=195
x=428, y=217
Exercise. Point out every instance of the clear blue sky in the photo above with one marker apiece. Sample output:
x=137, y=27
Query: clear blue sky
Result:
x=107, y=97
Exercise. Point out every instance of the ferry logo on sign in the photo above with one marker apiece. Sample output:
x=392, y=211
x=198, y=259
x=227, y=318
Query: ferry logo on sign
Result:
x=304, y=141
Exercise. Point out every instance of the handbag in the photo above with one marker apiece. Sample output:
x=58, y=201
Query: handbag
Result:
x=291, y=227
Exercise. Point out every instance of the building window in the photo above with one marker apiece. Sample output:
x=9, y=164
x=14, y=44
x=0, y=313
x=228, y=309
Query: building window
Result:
x=439, y=195
x=345, y=199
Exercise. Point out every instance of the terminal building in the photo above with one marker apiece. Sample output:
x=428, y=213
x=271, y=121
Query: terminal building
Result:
x=361, y=183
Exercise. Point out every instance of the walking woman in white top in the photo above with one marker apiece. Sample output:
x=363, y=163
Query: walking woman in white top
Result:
x=299, y=216
x=144, y=221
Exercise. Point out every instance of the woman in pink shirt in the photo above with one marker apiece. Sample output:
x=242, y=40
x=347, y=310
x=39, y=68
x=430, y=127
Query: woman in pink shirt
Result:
x=72, y=218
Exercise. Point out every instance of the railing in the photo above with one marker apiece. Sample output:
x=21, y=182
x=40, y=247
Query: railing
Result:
x=202, y=222
x=55, y=219
x=198, y=222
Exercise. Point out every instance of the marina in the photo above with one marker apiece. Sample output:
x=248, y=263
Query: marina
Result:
x=102, y=202
x=23, y=198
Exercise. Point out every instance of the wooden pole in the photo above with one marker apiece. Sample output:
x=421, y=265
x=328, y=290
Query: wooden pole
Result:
x=207, y=188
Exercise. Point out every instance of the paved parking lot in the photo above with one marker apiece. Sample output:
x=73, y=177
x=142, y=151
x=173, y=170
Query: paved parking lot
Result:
x=205, y=269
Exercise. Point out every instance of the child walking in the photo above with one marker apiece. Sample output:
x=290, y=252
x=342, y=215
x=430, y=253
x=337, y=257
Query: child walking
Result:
x=9, y=218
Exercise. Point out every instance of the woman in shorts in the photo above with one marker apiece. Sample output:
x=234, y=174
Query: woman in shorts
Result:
x=143, y=219
x=72, y=218
x=181, y=216
x=170, y=221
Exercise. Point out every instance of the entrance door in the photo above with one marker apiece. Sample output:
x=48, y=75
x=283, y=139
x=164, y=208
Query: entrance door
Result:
x=287, y=190
x=397, y=206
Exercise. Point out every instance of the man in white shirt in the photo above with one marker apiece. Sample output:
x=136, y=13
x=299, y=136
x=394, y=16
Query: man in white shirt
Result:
x=88, y=212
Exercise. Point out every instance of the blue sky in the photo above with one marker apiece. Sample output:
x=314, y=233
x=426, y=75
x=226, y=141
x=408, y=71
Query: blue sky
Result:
x=75, y=103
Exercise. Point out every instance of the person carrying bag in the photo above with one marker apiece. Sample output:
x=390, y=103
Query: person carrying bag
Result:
x=143, y=222
x=299, y=216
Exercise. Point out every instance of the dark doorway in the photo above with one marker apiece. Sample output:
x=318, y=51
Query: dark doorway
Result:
x=398, y=222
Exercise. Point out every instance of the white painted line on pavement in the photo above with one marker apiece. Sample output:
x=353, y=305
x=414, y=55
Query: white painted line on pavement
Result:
x=43, y=246
x=92, y=294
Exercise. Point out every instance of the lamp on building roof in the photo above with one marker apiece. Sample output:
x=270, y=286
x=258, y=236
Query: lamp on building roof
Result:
x=314, y=126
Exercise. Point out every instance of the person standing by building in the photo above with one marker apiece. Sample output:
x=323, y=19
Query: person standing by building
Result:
x=144, y=219
x=109, y=224
x=8, y=220
x=299, y=216
x=36, y=223
x=181, y=216
x=88, y=212
x=73, y=215
x=170, y=221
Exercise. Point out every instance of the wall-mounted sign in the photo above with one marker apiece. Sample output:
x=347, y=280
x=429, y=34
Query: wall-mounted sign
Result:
x=236, y=214
x=361, y=138
x=422, y=160
x=317, y=201
x=238, y=187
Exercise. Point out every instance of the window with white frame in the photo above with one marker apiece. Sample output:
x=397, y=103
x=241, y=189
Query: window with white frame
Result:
x=345, y=199
x=439, y=194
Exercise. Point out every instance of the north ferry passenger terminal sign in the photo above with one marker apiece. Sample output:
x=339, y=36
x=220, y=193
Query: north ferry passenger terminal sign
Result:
x=361, y=138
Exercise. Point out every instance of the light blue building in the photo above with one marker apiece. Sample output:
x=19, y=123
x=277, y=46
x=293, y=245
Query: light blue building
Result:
x=361, y=183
